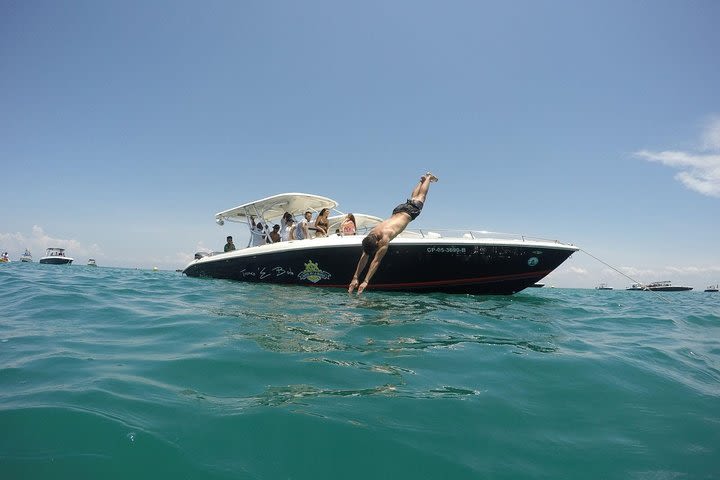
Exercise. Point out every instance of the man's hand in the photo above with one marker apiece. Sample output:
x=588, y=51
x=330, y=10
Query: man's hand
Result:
x=353, y=285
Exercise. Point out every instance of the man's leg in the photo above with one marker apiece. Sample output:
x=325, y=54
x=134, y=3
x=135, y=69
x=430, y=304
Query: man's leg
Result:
x=420, y=191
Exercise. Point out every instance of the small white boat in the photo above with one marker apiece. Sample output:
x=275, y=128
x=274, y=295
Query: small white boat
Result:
x=26, y=257
x=91, y=262
x=603, y=286
x=712, y=288
x=56, y=256
x=637, y=286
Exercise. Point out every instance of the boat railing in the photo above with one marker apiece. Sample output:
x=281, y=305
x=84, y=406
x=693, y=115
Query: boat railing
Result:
x=438, y=233
x=472, y=235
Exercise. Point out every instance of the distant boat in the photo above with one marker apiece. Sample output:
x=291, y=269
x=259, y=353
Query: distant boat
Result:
x=56, y=256
x=667, y=286
x=603, y=286
x=637, y=286
x=91, y=262
x=712, y=288
x=4, y=258
x=26, y=257
x=537, y=285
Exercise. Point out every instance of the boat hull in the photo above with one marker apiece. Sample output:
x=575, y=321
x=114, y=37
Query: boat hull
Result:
x=450, y=267
x=56, y=260
x=670, y=289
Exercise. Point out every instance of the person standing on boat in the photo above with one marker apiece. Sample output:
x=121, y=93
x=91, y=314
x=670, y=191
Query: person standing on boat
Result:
x=375, y=244
x=257, y=233
x=229, y=246
x=302, y=231
x=275, y=234
x=287, y=231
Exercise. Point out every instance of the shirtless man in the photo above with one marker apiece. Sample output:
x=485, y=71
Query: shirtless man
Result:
x=375, y=244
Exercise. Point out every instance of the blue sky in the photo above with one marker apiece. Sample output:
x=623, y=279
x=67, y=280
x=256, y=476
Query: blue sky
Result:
x=125, y=126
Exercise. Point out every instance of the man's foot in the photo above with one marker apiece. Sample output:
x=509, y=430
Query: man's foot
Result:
x=432, y=177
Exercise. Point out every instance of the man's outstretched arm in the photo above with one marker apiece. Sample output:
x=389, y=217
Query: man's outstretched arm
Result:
x=360, y=267
x=373, y=267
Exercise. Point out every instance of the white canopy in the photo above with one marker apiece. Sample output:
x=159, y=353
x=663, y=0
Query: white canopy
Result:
x=274, y=207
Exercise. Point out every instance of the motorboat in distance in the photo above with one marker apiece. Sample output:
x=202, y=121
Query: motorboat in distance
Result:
x=56, y=256
x=26, y=257
x=91, y=262
x=667, y=286
x=469, y=262
x=603, y=286
x=638, y=286
x=712, y=288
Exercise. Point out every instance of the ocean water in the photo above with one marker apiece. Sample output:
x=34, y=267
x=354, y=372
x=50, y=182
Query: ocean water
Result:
x=118, y=373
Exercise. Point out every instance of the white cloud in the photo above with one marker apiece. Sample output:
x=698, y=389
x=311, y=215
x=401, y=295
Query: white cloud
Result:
x=700, y=171
x=711, y=136
x=37, y=241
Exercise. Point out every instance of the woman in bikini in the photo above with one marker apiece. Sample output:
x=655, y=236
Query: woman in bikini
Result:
x=322, y=223
x=348, y=226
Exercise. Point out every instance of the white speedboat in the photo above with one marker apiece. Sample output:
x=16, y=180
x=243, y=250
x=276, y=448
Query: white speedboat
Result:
x=91, y=262
x=472, y=262
x=637, y=286
x=712, y=288
x=26, y=257
x=603, y=286
x=56, y=256
x=667, y=286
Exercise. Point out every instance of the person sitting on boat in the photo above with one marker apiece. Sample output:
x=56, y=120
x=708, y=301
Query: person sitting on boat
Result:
x=257, y=233
x=348, y=226
x=301, y=231
x=275, y=234
x=321, y=223
x=375, y=244
x=229, y=246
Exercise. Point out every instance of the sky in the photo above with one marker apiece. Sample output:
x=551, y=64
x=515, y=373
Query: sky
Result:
x=126, y=125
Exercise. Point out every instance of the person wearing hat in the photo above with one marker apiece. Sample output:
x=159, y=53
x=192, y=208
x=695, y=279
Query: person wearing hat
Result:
x=275, y=234
x=229, y=246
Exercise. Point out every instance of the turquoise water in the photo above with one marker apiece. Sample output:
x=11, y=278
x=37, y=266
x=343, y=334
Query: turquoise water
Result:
x=115, y=373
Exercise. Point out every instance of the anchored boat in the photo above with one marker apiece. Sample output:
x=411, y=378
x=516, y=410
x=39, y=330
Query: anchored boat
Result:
x=472, y=262
x=667, y=286
x=56, y=256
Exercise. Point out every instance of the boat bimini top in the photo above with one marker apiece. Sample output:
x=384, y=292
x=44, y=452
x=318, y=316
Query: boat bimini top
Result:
x=271, y=209
x=274, y=207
